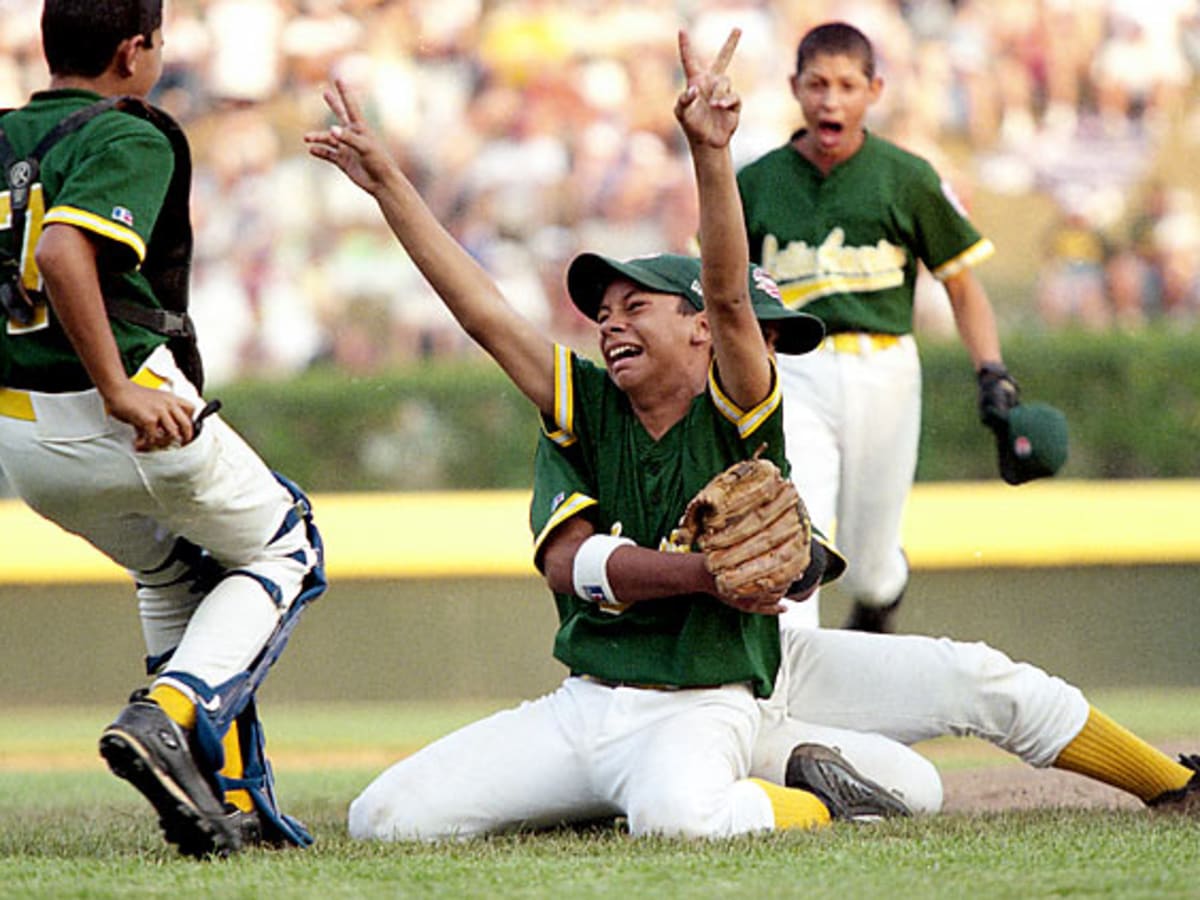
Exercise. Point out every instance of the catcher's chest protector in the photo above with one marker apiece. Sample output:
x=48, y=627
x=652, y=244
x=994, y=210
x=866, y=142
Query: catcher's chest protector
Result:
x=167, y=266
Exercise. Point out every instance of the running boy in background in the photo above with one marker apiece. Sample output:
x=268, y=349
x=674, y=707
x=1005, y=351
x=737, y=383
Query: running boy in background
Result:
x=103, y=429
x=842, y=219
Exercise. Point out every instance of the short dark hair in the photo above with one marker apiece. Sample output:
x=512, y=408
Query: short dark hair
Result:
x=80, y=37
x=833, y=39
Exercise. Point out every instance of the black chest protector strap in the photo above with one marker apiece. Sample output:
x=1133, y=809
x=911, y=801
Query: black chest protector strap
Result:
x=20, y=174
x=169, y=251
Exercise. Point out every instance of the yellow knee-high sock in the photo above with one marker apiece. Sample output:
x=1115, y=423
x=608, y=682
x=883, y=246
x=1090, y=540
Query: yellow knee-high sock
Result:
x=1110, y=753
x=234, y=768
x=793, y=807
x=176, y=704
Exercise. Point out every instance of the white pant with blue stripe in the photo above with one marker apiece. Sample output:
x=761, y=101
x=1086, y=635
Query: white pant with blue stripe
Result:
x=75, y=465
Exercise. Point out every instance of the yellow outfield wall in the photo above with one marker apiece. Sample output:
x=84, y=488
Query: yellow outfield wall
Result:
x=948, y=525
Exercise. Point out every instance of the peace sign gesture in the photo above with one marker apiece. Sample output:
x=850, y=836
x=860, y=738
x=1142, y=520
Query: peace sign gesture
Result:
x=708, y=108
x=350, y=144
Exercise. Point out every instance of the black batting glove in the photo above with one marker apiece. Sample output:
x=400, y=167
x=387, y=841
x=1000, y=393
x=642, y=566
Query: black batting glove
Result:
x=998, y=393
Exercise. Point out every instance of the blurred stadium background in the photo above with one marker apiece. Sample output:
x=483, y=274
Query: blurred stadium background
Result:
x=537, y=128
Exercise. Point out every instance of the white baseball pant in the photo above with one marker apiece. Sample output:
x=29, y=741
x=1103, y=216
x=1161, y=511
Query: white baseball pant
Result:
x=75, y=465
x=872, y=695
x=673, y=762
x=852, y=421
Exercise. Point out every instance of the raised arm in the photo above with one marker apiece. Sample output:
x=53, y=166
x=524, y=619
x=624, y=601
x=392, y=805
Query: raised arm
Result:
x=472, y=297
x=708, y=111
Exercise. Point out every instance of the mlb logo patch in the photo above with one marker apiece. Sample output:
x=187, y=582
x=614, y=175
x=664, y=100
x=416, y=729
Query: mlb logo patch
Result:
x=765, y=283
x=123, y=215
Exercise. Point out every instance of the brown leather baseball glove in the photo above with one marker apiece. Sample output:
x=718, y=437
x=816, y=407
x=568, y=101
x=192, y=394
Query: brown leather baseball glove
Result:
x=752, y=528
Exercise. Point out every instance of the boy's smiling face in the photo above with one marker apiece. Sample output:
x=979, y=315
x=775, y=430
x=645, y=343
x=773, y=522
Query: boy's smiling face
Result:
x=646, y=339
x=834, y=93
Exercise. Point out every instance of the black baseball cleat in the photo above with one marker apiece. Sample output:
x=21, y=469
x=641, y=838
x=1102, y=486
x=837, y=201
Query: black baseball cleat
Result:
x=148, y=749
x=847, y=794
x=1184, y=801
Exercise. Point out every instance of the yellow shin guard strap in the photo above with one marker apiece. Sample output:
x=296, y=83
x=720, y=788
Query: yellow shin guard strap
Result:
x=793, y=807
x=175, y=704
x=1110, y=753
x=234, y=769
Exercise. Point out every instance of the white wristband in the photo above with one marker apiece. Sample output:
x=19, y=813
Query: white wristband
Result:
x=590, y=572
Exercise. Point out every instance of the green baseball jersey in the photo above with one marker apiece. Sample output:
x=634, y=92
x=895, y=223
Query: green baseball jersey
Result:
x=109, y=179
x=595, y=458
x=845, y=246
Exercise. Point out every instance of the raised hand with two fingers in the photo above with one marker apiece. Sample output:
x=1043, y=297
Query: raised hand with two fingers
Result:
x=708, y=108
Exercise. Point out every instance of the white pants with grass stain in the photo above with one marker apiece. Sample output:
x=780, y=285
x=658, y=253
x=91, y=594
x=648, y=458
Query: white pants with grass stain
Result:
x=870, y=696
x=676, y=762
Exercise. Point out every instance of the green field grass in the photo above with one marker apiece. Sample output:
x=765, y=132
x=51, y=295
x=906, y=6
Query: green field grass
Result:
x=69, y=829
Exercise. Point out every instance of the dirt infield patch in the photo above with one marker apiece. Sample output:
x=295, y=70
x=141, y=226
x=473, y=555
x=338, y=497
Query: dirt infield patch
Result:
x=1021, y=787
x=1008, y=785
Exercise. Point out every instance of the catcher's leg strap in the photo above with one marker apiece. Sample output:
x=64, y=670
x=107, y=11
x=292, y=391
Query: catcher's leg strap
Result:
x=231, y=704
x=258, y=780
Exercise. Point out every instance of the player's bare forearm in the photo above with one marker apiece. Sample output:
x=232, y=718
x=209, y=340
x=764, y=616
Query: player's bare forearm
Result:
x=708, y=111
x=974, y=318
x=67, y=260
x=524, y=353
x=638, y=574
x=468, y=291
x=724, y=249
x=66, y=257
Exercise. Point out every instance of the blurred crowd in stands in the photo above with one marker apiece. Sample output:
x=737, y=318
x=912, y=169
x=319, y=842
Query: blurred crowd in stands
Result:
x=536, y=128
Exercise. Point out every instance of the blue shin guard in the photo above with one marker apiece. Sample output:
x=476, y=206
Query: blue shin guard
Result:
x=231, y=704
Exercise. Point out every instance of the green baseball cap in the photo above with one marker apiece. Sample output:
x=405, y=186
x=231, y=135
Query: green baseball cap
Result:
x=590, y=274
x=1034, y=443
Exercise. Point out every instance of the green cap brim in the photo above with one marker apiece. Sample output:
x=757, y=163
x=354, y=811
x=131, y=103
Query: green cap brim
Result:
x=796, y=332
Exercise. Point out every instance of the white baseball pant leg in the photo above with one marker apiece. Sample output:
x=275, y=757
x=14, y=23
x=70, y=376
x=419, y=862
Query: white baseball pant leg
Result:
x=881, y=433
x=903, y=771
x=674, y=762
x=76, y=466
x=812, y=412
x=912, y=688
x=852, y=423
